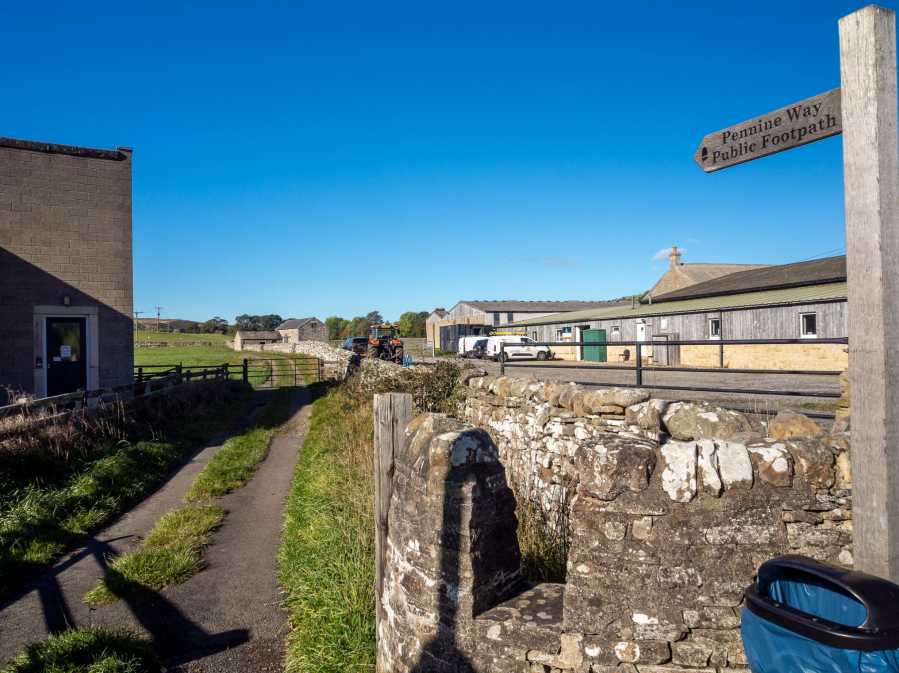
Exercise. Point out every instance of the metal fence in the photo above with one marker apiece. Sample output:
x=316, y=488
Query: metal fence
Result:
x=640, y=368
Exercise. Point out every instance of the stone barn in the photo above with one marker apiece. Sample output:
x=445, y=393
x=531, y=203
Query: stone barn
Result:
x=65, y=268
x=255, y=340
x=295, y=330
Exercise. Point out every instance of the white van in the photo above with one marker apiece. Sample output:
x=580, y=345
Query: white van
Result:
x=466, y=345
x=516, y=348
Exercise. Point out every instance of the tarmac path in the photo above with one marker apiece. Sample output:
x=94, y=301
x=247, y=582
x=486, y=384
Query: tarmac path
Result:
x=226, y=618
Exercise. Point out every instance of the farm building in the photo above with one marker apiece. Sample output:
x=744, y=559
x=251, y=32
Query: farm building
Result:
x=482, y=317
x=679, y=275
x=65, y=268
x=242, y=340
x=806, y=300
x=295, y=330
x=432, y=333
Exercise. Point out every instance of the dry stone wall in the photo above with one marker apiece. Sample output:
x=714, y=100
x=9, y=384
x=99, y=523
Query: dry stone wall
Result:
x=671, y=508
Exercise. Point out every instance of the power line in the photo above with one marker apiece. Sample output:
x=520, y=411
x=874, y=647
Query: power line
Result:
x=823, y=254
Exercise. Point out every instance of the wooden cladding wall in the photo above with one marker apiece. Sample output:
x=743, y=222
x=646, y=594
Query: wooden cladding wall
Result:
x=772, y=322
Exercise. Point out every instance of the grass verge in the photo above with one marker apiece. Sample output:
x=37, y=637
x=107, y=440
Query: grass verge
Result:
x=234, y=464
x=88, y=651
x=544, y=543
x=326, y=559
x=173, y=551
x=44, y=512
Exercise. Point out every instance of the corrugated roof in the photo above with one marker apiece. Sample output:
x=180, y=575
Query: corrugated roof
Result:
x=538, y=306
x=828, y=270
x=293, y=323
x=795, y=295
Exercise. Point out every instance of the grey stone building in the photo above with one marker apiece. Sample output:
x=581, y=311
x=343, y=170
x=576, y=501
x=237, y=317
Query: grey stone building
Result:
x=65, y=268
x=244, y=340
x=295, y=330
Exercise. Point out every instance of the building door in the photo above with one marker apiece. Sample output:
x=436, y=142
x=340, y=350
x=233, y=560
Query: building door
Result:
x=66, y=355
x=641, y=336
x=594, y=353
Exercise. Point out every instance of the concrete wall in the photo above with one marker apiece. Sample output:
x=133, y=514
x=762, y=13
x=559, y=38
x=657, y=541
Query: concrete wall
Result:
x=65, y=230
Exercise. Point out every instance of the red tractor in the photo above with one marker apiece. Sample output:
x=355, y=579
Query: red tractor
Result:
x=383, y=344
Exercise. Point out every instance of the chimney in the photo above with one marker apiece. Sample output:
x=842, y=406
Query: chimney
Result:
x=675, y=257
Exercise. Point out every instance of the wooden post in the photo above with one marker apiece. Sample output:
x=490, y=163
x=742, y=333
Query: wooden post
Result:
x=871, y=176
x=392, y=414
x=246, y=371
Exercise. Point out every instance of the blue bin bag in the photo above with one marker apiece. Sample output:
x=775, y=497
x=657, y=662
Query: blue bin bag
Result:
x=825, y=608
x=774, y=649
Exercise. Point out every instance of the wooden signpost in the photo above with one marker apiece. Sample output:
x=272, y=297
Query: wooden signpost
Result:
x=865, y=110
x=795, y=125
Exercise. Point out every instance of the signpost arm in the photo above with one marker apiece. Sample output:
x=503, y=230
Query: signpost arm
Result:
x=871, y=174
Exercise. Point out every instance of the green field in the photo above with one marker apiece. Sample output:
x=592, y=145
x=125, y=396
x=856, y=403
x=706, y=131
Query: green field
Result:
x=144, y=337
x=153, y=359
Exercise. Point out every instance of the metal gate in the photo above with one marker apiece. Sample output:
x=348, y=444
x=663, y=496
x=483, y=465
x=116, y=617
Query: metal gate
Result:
x=283, y=372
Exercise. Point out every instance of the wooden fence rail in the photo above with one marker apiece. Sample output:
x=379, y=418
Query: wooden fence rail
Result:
x=60, y=404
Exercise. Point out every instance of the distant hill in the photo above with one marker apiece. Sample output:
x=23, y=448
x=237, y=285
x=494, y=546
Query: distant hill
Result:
x=164, y=324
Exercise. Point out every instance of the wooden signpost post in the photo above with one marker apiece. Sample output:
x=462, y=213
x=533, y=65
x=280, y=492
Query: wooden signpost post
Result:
x=865, y=110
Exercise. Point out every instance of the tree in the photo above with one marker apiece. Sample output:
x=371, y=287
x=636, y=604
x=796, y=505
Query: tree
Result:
x=419, y=325
x=247, y=323
x=334, y=326
x=405, y=323
x=269, y=322
x=374, y=318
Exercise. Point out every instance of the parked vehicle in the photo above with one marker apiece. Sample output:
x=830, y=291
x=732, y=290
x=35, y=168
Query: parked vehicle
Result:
x=355, y=345
x=516, y=348
x=467, y=345
x=382, y=343
x=480, y=348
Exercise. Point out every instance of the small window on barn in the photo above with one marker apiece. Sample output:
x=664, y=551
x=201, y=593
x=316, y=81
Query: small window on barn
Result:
x=534, y=335
x=313, y=324
x=286, y=338
x=558, y=335
x=808, y=325
x=616, y=330
x=715, y=328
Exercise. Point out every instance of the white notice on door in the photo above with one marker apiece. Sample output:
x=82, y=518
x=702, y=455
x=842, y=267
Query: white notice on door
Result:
x=65, y=351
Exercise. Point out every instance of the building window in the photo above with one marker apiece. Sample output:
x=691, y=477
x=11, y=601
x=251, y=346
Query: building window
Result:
x=496, y=318
x=534, y=336
x=616, y=331
x=715, y=328
x=510, y=317
x=313, y=324
x=558, y=335
x=808, y=325
x=286, y=339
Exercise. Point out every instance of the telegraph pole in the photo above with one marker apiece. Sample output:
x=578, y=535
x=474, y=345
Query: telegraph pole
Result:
x=158, y=311
x=136, y=313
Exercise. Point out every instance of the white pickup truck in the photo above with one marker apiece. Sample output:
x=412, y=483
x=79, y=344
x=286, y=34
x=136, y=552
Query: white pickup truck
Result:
x=516, y=348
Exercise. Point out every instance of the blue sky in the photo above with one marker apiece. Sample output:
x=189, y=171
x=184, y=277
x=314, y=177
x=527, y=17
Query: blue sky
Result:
x=334, y=158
